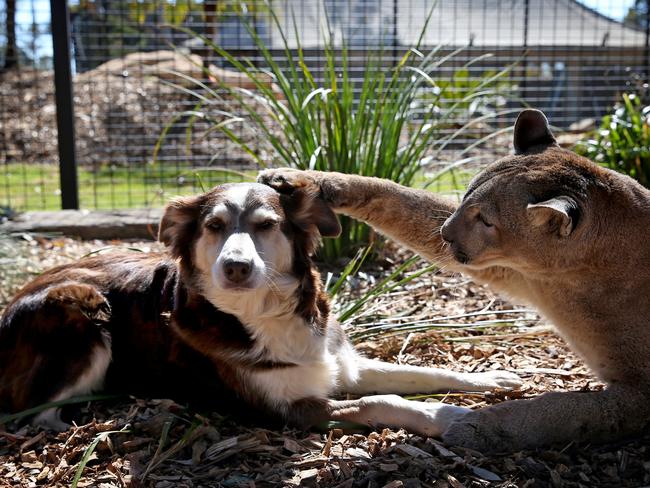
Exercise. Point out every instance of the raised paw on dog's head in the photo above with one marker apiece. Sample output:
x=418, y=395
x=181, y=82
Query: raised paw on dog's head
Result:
x=286, y=180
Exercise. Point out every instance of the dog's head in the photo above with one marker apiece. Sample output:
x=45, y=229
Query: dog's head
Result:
x=238, y=240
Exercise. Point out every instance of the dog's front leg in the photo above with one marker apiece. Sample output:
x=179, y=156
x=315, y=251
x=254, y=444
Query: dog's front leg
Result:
x=380, y=377
x=411, y=217
x=428, y=419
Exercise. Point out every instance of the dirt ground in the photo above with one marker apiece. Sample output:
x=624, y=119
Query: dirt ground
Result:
x=158, y=443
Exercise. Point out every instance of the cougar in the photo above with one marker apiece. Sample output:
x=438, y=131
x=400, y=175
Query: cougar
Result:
x=549, y=228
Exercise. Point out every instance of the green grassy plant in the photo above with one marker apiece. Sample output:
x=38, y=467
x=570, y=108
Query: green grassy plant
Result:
x=88, y=452
x=622, y=142
x=358, y=313
x=60, y=403
x=391, y=122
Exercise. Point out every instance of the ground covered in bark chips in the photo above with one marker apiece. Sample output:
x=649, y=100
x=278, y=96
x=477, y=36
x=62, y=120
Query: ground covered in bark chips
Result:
x=158, y=443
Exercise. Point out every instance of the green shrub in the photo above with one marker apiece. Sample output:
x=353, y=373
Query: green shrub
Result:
x=622, y=142
x=391, y=123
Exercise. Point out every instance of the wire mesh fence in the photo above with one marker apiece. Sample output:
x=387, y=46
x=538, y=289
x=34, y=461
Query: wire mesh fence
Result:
x=137, y=71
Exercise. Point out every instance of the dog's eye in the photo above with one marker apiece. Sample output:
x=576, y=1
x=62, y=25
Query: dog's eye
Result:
x=215, y=226
x=266, y=225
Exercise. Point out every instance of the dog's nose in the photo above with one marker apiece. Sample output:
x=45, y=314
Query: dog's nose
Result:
x=237, y=271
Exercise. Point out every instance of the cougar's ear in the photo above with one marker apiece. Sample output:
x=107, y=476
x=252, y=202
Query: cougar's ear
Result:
x=311, y=214
x=531, y=130
x=178, y=224
x=558, y=214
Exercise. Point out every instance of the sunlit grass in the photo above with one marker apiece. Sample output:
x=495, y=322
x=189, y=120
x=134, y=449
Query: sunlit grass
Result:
x=36, y=186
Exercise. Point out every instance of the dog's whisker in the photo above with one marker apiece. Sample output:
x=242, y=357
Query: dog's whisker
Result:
x=273, y=272
x=273, y=286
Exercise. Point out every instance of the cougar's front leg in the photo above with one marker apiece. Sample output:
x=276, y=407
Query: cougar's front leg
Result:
x=411, y=217
x=553, y=419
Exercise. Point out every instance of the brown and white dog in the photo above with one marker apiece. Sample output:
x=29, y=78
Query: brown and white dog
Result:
x=233, y=314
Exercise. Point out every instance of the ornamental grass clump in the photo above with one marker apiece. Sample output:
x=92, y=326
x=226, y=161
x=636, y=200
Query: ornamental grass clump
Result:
x=391, y=121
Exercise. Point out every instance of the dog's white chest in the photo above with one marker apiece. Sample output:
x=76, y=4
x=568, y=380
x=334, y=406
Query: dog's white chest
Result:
x=284, y=385
x=312, y=370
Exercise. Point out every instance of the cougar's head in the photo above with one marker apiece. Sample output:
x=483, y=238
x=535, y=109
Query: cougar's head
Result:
x=525, y=210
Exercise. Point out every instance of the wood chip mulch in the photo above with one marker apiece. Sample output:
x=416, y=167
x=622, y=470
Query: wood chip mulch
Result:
x=158, y=443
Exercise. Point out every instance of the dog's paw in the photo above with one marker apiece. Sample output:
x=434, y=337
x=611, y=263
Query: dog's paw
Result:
x=80, y=297
x=492, y=380
x=423, y=418
x=437, y=417
x=286, y=180
x=50, y=419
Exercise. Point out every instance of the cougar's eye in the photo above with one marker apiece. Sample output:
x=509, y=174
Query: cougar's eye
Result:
x=266, y=225
x=481, y=218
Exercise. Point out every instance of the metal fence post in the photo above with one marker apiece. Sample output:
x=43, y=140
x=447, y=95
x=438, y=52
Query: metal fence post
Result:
x=64, y=104
x=524, y=62
x=646, y=64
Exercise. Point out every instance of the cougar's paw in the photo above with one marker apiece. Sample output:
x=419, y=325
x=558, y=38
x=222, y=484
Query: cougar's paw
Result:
x=481, y=431
x=491, y=380
x=464, y=433
x=286, y=180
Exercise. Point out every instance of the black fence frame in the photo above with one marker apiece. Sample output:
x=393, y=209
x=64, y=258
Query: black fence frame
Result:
x=64, y=104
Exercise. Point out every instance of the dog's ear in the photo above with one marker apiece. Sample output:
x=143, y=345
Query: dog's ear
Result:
x=321, y=215
x=178, y=224
x=559, y=214
x=310, y=213
x=531, y=130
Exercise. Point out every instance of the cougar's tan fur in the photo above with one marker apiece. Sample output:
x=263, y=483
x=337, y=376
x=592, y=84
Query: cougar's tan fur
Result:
x=550, y=228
